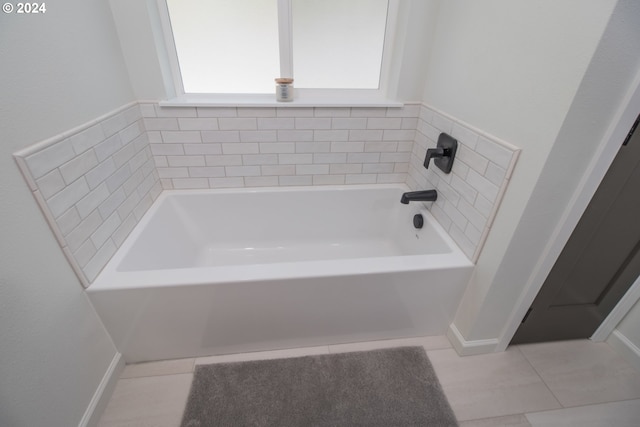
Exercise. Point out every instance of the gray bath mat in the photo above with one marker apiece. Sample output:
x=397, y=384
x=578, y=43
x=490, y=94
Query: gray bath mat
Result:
x=392, y=387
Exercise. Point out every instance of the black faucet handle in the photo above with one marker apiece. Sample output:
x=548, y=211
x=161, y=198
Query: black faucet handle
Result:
x=443, y=154
x=433, y=153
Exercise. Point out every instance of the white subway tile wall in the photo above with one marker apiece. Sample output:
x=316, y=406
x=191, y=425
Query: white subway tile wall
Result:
x=212, y=147
x=470, y=195
x=93, y=184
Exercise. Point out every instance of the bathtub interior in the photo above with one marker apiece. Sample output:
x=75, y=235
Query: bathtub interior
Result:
x=193, y=229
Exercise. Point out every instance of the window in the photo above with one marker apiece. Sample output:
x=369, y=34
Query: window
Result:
x=240, y=46
x=338, y=43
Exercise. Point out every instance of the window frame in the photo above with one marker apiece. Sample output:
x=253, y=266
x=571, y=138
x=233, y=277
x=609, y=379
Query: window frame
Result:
x=303, y=97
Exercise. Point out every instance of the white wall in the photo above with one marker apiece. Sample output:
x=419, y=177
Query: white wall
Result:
x=59, y=70
x=416, y=28
x=514, y=69
x=142, y=46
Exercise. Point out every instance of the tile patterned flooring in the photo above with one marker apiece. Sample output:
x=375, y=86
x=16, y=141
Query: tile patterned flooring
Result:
x=565, y=383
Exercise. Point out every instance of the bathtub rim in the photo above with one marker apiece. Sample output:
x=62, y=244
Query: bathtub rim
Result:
x=111, y=279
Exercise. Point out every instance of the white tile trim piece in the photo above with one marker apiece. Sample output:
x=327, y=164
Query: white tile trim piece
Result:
x=44, y=208
x=628, y=350
x=469, y=348
x=103, y=393
x=493, y=214
x=23, y=153
x=24, y=169
x=76, y=268
x=483, y=240
x=478, y=131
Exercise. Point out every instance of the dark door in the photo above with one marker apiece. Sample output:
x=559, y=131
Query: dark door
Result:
x=599, y=263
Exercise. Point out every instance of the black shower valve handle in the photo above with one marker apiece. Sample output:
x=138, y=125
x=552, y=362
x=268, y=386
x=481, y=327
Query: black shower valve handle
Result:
x=435, y=153
x=443, y=154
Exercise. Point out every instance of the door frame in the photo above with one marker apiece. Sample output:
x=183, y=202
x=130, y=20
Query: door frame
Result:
x=598, y=167
x=625, y=304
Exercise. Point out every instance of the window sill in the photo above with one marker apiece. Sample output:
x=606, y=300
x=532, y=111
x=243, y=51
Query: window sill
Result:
x=268, y=100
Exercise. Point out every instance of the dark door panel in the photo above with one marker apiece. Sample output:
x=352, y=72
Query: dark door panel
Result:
x=598, y=264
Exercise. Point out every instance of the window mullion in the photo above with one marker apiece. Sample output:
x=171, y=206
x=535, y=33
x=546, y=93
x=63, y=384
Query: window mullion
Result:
x=284, y=34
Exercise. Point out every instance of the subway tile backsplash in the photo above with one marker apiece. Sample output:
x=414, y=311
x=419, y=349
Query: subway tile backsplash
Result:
x=198, y=147
x=95, y=182
x=470, y=195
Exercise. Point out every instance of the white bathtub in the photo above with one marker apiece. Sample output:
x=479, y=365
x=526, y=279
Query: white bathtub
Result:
x=224, y=271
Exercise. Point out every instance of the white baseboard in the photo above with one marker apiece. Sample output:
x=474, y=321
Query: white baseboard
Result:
x=103, y=393
x=469, y=348
x=628, y=350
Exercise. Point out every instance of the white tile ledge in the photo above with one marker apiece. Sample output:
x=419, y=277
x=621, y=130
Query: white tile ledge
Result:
x=268, y=100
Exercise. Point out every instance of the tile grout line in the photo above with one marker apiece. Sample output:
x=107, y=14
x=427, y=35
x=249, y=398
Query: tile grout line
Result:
x=539, y=376
x=588, y=404
x=499, y=416
x=581, y=406
x=155, y=376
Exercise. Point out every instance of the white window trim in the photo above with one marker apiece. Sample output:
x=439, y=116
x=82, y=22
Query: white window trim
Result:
x=285, y=26
x=303, y=97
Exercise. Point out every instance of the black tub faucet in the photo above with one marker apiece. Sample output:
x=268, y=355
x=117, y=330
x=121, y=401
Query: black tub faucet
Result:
x=419, y=196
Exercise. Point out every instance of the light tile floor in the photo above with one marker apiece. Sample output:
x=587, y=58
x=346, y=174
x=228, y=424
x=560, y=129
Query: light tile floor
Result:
x=565, y=383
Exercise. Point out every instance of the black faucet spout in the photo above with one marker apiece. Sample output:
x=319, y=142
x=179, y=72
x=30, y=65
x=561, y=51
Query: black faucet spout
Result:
x=419, y=196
